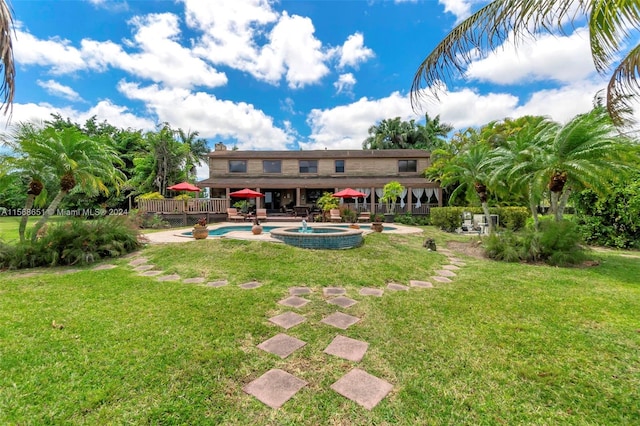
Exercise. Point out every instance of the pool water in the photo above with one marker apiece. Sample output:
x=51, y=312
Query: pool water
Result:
x=218, y=232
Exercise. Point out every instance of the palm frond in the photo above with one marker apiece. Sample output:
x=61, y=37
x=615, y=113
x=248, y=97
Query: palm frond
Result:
x=484, y=31
x=623, y=87
x=7, y=88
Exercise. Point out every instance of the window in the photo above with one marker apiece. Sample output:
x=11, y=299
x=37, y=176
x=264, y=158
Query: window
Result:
x=272, y=166
x=308, y=166
x=339, y=166
x=237, y=166
x=405, y=166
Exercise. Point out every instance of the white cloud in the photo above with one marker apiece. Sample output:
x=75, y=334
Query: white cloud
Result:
x=460, y=8
x=56, y=89
x=346, y=126
x=56, y=53
x=345, y=83
x=116, y=115
x=252, y=128
x=548, y=57
x=353, y=51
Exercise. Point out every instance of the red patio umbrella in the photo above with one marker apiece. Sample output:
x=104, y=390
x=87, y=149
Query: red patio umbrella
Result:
x=350, y=193
x=184, y=186
x=246, y=193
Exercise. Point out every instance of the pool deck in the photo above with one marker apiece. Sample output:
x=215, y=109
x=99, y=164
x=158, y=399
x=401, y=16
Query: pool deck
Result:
x=175, y=235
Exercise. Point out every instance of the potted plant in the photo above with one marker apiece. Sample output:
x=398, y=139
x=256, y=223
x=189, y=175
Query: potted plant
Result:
x=200, y=231
x=376, y=224
x=390, y=194
x=327, y=202
x=243, y=205
x=350, y=216
x=256, y=229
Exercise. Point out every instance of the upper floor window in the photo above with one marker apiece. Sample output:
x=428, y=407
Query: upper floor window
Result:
x=272, y=166
x=407, y=166
x=308, y=166
x=339, y=166
x=237, y=166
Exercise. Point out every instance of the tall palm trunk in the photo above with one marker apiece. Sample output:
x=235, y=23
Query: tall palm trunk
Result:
x=533, y=206
x=25, y=217
x=562, y=203
x=481, y=190
x=50, y=210
x=556, y=185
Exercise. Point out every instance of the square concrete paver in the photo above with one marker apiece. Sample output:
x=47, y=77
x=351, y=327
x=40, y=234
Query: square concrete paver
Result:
x=172, y=277
x=421, y=284
x=150, y=273
x=138, y=261
x=299, y=291
x=342, y=301
x=340, y=320
x=347, y=348
x=441, y=279
x=362, y=388
x=367, y=291
x=455, y=259
x=397, y=287
x=333, y=291
x=217, y=283
x=250, y=285
x=142, y=268
x=104, y=267
x=294, y=301
x=281, y=345
x=445, y=251
x=451, y=267
x=196, y=280
x=288, y=320
x=275, y=387
x=458, y=263
x=445, y=273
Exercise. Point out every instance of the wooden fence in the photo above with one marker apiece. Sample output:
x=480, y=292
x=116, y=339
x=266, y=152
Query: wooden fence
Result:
x=203, y=205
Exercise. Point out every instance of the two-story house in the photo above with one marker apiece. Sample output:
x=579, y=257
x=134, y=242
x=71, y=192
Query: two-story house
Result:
x=299, y=178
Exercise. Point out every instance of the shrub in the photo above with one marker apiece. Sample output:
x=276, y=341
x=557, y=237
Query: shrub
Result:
x=150, y=196
x=447, y=218
x=556, y=243
x=450, y=218
x=74, y=242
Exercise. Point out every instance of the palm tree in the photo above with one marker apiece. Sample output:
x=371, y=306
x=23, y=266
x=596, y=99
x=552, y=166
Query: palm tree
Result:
x=587, y=152
x=196, y=151
x=8, y=87
x=609, y=25
x=390, y=133
x=468, y=170
x=77, y=160
x=518, y=159
x=27, y=159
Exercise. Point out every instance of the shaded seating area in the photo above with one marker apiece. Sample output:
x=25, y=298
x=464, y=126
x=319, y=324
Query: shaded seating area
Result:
x=334, y=215
x=233, y=215
x=364, y=217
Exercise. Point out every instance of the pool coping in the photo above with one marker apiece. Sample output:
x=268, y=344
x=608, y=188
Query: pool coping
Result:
x=175, y=235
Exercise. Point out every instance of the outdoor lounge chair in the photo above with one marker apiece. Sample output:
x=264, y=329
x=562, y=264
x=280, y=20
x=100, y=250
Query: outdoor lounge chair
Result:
x=261, y=214
x=334, y=215
x=233, y=215
x=364, y=217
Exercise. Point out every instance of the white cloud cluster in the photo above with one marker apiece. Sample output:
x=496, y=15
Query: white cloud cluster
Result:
x=460, y=8
x=345, y=83
x=353, y=51
x=54, y=88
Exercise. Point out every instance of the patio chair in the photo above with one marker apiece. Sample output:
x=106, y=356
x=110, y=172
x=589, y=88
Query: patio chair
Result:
x=364, y=217
x=301, y=211
x=233, y=215
x=261, y=214
x=334, y=215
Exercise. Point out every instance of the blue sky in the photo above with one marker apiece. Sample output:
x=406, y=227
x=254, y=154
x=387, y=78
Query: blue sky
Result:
x=262, y=74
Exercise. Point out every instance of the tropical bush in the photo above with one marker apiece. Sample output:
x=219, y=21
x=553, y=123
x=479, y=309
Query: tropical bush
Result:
x=614, y=220
x=556, y=243
x=450, y=218
x=74, y=242
x=409, y=219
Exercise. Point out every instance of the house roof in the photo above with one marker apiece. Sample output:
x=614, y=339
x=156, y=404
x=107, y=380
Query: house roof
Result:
x=337, y=154
x=314, y=182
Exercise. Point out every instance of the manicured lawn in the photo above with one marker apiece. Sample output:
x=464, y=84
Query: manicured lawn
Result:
x=502, y=344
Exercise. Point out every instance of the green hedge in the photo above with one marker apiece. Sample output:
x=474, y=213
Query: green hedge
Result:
x=450, y=218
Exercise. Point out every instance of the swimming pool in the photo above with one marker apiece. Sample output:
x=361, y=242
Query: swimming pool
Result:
x=223, y=230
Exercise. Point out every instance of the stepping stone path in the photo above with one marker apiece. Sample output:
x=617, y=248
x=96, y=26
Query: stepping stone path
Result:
x=276, y=386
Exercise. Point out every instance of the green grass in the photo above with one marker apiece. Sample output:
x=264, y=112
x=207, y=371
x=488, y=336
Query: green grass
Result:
x=503, y=344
